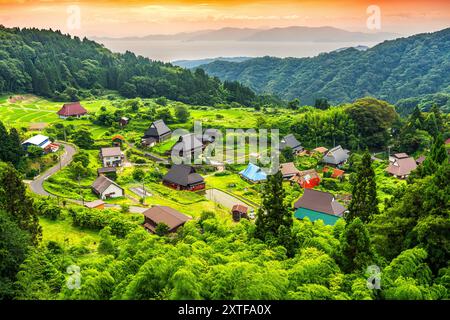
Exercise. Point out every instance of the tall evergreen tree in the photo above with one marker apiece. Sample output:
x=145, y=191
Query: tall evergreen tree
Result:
x=15, y=202
x=4, y=138
x=364, y=202
x=355, y=251
x=274, y=219
x=15, y=149
x=438, y=117
x=416, y=119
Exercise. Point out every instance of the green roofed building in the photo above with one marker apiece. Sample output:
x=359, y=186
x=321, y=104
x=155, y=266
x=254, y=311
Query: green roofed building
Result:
x=318, y=205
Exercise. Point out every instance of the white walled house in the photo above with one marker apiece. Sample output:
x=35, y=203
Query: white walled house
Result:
x=106, y=188
x=111, y=157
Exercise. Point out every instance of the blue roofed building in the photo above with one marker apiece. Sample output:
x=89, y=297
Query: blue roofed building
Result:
x=253, y=174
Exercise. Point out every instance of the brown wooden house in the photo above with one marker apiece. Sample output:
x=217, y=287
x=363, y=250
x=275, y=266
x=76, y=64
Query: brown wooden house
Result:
x=162, y=214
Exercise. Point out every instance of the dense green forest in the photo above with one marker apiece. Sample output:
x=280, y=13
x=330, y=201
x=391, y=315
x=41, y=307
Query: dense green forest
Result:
x=50, y=64
x=392, y=70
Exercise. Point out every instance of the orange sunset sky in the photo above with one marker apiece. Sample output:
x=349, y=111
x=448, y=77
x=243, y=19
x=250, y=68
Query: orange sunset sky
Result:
x=142, y=17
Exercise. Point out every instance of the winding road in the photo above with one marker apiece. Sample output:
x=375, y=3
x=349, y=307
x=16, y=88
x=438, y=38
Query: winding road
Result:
x=37, y=185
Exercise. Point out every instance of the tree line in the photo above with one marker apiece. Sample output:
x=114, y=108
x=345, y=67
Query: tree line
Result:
x=50, y=64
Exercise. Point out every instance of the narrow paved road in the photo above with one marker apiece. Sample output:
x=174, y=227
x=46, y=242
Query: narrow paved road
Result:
x=37, y=185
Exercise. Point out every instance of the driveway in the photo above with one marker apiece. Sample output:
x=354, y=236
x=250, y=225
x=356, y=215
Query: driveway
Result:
x=36, y=185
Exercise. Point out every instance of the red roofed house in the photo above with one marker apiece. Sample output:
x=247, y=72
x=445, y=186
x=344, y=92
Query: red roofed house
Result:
x=73, y=109
x=307, y=179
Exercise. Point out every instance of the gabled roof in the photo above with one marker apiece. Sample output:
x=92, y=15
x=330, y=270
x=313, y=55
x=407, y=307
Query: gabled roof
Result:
x=102, y=183
x=38, y=140
x=290, y=141
x=111, y=152
x=183, y=175
x=288, y=169
x=188, y=142
x=401, y=166
x=305, y=175
x=169, y=216
x=72, y=109
x=253, y=173
x=157, y=129
x=336, y=155
x=321, y=202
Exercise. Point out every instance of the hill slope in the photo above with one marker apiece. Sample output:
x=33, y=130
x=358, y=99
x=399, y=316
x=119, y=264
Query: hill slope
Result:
x=392, y=70
x=51, y=64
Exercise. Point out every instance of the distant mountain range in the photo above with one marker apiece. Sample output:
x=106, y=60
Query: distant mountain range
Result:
x=287, y=34
x=392, y=70
x=191, y=64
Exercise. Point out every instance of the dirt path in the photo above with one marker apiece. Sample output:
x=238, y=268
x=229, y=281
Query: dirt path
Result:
x=226, y=200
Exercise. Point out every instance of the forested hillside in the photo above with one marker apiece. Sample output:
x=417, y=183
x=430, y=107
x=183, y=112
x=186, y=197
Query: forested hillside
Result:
x=392, y=70
x=54, y=65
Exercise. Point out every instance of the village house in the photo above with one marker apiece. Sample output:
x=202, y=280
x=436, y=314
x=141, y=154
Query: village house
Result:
x=106, y=188
x=291, y=142
x=253, y=174
x=288, y=170
x=74, y=109
x=239, y=211
x=318, y=205
x=157, y=132
x=401, y=165
x=117, y=140
x=336, y=157
x=96, y=204
x=111, y=157
x=162, y=214
x=183, y=177
x=42, y=142
x=188, y=145
x=307, y=179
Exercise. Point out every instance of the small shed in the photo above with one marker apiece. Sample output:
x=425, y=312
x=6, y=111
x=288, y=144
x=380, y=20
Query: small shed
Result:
x=96, y=204
x=239, y=211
